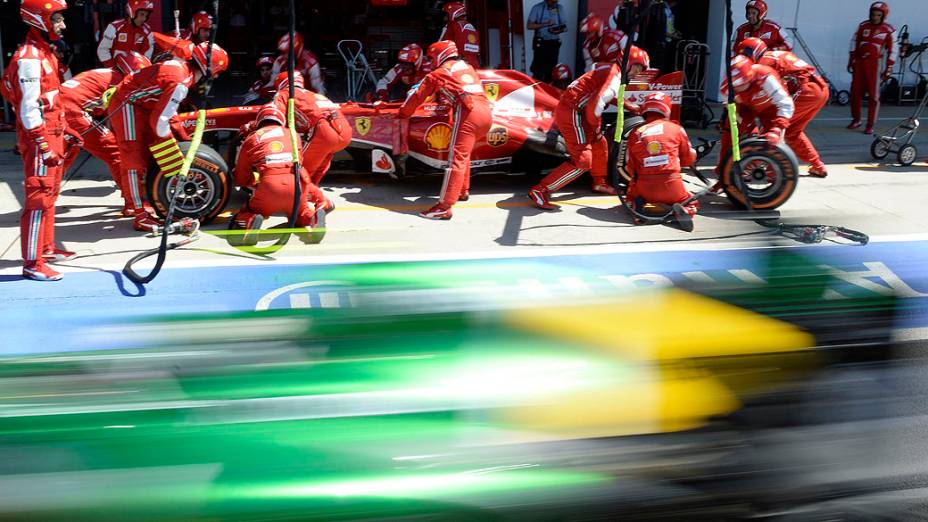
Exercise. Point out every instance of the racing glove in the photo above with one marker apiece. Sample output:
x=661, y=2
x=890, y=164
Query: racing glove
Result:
x=168, y=156
x=107, y=96
x=50, y=158
x=72, y=143
x=774, y=136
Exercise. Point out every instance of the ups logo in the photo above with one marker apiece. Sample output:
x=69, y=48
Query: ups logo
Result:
x=498, y=136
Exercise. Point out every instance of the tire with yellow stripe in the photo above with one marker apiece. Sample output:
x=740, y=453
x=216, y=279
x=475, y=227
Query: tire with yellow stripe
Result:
x=618, y=175
x=205, y=191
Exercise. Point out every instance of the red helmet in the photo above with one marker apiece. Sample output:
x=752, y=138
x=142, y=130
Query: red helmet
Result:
x=742, y=72
x=283, y=81
x=201, y=20
x=638, y=56
x=658, y=102
x=134, y=6
x=592, y=26
x=455, y=10
x=264, y=61
x=561, y=72
x=411, y=54
x=129, y=63
x=270, y=112
x=883, y=7
x=761, y=7
x=439, y=52
x=38, y=14
x=283, y=44
x=753, y=48
x=219, y=59
x=610, y=46
x=179, y=47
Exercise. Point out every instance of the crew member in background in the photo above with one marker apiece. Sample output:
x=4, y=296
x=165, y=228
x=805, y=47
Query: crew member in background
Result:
x=758, y=26
x=547, y=21
x=462, y=33
x=578, y=116
x=128, y=34
x=141, y=112
x=760, y=97
x=410, y=69
x=82, y=98
x=561, y=76
x=306, y=62
x=201, y=24
x=594, y=30
x=265, y=166
x=262, y=90
x=656, y=152
x=30, y=83
x=326, y=131
x=871, y=60
x=808, y=90
x=638, y=62
x=458, y=85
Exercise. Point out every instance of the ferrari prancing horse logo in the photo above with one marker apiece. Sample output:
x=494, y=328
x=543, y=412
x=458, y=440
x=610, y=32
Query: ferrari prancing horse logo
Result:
x=491, y=90
x=363, y=125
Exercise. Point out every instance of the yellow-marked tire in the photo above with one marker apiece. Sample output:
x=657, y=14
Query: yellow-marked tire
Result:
x=204, y=193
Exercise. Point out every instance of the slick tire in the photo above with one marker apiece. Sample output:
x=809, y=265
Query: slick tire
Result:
x=769, y=175
x=618, y=174
x=205, y=192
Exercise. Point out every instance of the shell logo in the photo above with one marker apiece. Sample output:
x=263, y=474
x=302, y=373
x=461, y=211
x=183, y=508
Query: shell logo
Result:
x=491, y=90
x=471, y=38
x=276, y=146
x=654, y=147
x=362, y=124
x=438, y=137
x=48, y=6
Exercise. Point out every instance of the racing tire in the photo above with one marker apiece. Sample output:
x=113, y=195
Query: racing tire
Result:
x=770, y=175
x=879, y=149
x=907, y=155
x=618, y=175
x=205, y=193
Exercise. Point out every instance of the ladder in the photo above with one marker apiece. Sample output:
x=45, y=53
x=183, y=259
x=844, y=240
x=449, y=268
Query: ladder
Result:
x=359, y=70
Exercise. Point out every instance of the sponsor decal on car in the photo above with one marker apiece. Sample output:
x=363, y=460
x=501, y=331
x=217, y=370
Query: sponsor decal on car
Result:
x=491, y=90
x=498, y=136
x=438, y=137
x=363, y=125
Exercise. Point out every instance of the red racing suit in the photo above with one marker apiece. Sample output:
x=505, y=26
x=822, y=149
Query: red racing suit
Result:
x=141, y=112
x=466, y=38
x=770, y=32
x=872, y=55
x=456, y=82
x=307, y=64
x=765, y=100
x=81, y=98
x=123, y=37
x=265, y=163
x=325, y=129
x=579, y=118
x=260, y=90
x=656, y=152
x=810, y=94
x=403, y=74
x=591, y=53
x=31, y=85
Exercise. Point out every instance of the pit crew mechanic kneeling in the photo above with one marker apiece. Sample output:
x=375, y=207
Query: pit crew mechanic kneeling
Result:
x=656, y=152
x=265, y=165
x=141, y=112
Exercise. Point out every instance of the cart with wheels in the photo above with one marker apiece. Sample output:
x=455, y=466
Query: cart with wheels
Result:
x=898, y=140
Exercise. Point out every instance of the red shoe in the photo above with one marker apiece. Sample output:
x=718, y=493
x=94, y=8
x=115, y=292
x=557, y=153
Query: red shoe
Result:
x=39, y=271
x=683, y=217
x=854, y=124
x=145, y=222
x=250, y=225
x=465, y=195
x=539, y=196
x=818, y=171
x=868, y=130
x=439, y=211
x=329, y=206
x=129, y=210
x=58, y=255
x=604, y=188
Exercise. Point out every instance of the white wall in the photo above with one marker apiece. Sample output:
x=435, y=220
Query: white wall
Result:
x=568, y=52
x=826, y=25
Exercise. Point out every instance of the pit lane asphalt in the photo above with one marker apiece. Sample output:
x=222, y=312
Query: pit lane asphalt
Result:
x=376, y=218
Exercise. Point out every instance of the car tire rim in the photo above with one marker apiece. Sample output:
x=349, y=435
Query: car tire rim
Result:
x=762, y=176
x=196, y=194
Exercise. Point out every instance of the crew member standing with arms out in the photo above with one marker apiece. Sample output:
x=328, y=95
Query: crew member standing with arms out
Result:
x=808, y=90
x=306, y=62
x=457, y=84
x=579, y=118
x=758, y=26
x=31, y=85
x=141, y=112
x=462, y=33
x=656, y=152
x=871, y=60
x=547, y=21
x=326, y=131
x=128, y=34
x=409, y=70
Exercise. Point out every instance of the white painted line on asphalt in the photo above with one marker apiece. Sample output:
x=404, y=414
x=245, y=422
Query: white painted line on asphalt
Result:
x=522, y=252
x=911, y=334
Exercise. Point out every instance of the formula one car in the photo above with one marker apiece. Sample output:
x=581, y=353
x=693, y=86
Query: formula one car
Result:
x=522, y=139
